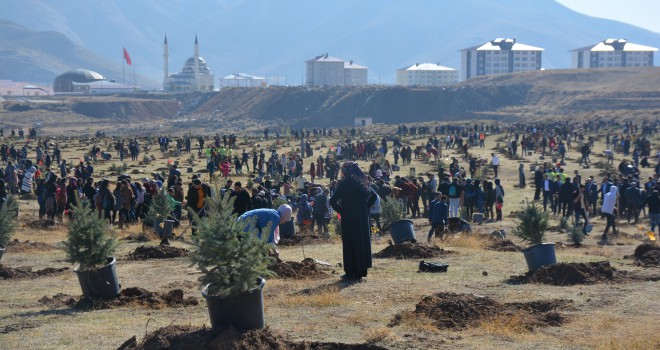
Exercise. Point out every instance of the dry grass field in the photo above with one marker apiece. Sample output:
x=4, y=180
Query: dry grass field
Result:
x=599, y=316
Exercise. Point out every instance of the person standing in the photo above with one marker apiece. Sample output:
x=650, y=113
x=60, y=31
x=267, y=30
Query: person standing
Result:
x=195, y=201
x=495, y=161
x=609, y=209
x=352, y=200
x=581, y=207
x=653, y=202
x=499, y=198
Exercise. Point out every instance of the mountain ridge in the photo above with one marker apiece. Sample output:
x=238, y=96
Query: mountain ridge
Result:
x=271, y=39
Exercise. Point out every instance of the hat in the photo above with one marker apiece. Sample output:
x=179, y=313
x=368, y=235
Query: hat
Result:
x=285, y=212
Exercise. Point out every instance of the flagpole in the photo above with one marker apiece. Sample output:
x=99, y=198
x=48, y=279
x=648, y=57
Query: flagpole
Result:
x=134, y=84
x=122, y=68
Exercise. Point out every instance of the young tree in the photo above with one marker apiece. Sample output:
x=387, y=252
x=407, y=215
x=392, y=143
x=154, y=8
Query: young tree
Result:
x=229, y=257
x=89, y=242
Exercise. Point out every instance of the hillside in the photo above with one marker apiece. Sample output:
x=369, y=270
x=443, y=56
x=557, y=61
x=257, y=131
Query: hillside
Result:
x=40, y=56
x=274, y=38
x=544, y=94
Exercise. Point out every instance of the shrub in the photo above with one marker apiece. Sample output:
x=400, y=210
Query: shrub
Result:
x=88, y=242
x=391, y=211
x=277, y=201
x=161, y=206
x=8, y=220
x=563, y=222
x=576, y=236
x=532, y=226
x=230, y=258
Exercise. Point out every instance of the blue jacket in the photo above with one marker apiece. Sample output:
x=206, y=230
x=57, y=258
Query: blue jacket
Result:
x=439, y=213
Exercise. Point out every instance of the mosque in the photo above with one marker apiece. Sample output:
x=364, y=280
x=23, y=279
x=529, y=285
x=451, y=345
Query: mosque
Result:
x=194, y=76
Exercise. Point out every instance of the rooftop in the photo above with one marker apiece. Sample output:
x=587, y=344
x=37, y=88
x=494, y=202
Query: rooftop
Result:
x=351, y=65
x=502, y=44
x=242, y=76
x=616, y=45
x=427, y=67
x=325, y=58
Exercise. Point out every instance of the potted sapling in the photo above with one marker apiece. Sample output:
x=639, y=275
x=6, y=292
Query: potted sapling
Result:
x=531, y=229
x=8, y=222
x=161, y=208
x=392, y=215
x=91, y=245
x=234, y=263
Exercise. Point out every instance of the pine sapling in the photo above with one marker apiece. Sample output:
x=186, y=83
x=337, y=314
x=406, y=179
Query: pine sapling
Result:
x=161, y=206
x=8, y=220
x=89, y=241
x=230, y=256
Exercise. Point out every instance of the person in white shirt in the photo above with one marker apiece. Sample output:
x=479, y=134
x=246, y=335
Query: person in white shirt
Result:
x=495, y=162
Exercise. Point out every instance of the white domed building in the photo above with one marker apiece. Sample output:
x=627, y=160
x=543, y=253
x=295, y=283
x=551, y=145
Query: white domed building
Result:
x=194, y=76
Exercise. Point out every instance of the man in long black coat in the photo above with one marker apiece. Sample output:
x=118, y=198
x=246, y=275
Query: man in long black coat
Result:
x=352, y=200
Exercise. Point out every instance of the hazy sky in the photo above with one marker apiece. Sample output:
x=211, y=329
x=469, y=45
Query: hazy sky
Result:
x=642, y=13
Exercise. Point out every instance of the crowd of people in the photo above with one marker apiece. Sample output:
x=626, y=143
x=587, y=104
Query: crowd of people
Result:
x=315, y=187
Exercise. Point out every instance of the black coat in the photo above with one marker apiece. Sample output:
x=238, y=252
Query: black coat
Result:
x=352, y=202
x=242, y=203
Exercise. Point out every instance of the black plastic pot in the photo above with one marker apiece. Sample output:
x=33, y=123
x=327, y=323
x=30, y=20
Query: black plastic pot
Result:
x=168, y=228
x=243, y=311
x=540, y=255
x=402, y=231
x=100, y=283
x=2, y=251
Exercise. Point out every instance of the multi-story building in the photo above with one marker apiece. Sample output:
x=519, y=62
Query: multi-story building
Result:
x=613, y=53
x=499, y=56
x=326, y=70
x=426, y=74
x=354, y=74
x=243, y=80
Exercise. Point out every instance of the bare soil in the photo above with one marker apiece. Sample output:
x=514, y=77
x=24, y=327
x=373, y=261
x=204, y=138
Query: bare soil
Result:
x=503, y=246
x=297, y=240
x=145, y=252
x=297, y=270
x=16, y=246
x=648, y=254
x=43, y=224
x=7, y=272
x=186, y=337
x=409, y=250
x=130, y=297
x=460, y=311
x=568, y=274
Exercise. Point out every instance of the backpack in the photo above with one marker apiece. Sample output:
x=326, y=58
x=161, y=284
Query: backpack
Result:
x=452, y=190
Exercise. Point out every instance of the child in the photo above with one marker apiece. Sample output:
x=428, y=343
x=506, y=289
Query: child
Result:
x=438, y=214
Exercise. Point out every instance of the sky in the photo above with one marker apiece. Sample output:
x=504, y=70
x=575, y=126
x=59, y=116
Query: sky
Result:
x=641, y=13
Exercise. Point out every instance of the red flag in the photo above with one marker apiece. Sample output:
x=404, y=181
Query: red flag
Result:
x=127, y=57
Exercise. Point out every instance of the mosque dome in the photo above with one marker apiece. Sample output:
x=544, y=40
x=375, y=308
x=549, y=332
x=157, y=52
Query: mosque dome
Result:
x=63, y=81
x=189, y=67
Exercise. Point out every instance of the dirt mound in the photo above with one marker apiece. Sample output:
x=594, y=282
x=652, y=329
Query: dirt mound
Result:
x=18, y=327
x=187, y=337
x=297, y=270
x=17, y=246
x=145, y=252
x=130, y=297
x=296, y=240
x=648, y=254
x=26, y=272
x=503, y=246
x=568, y=274
x=409, y=250
x=43, y=224
x=460, y=311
